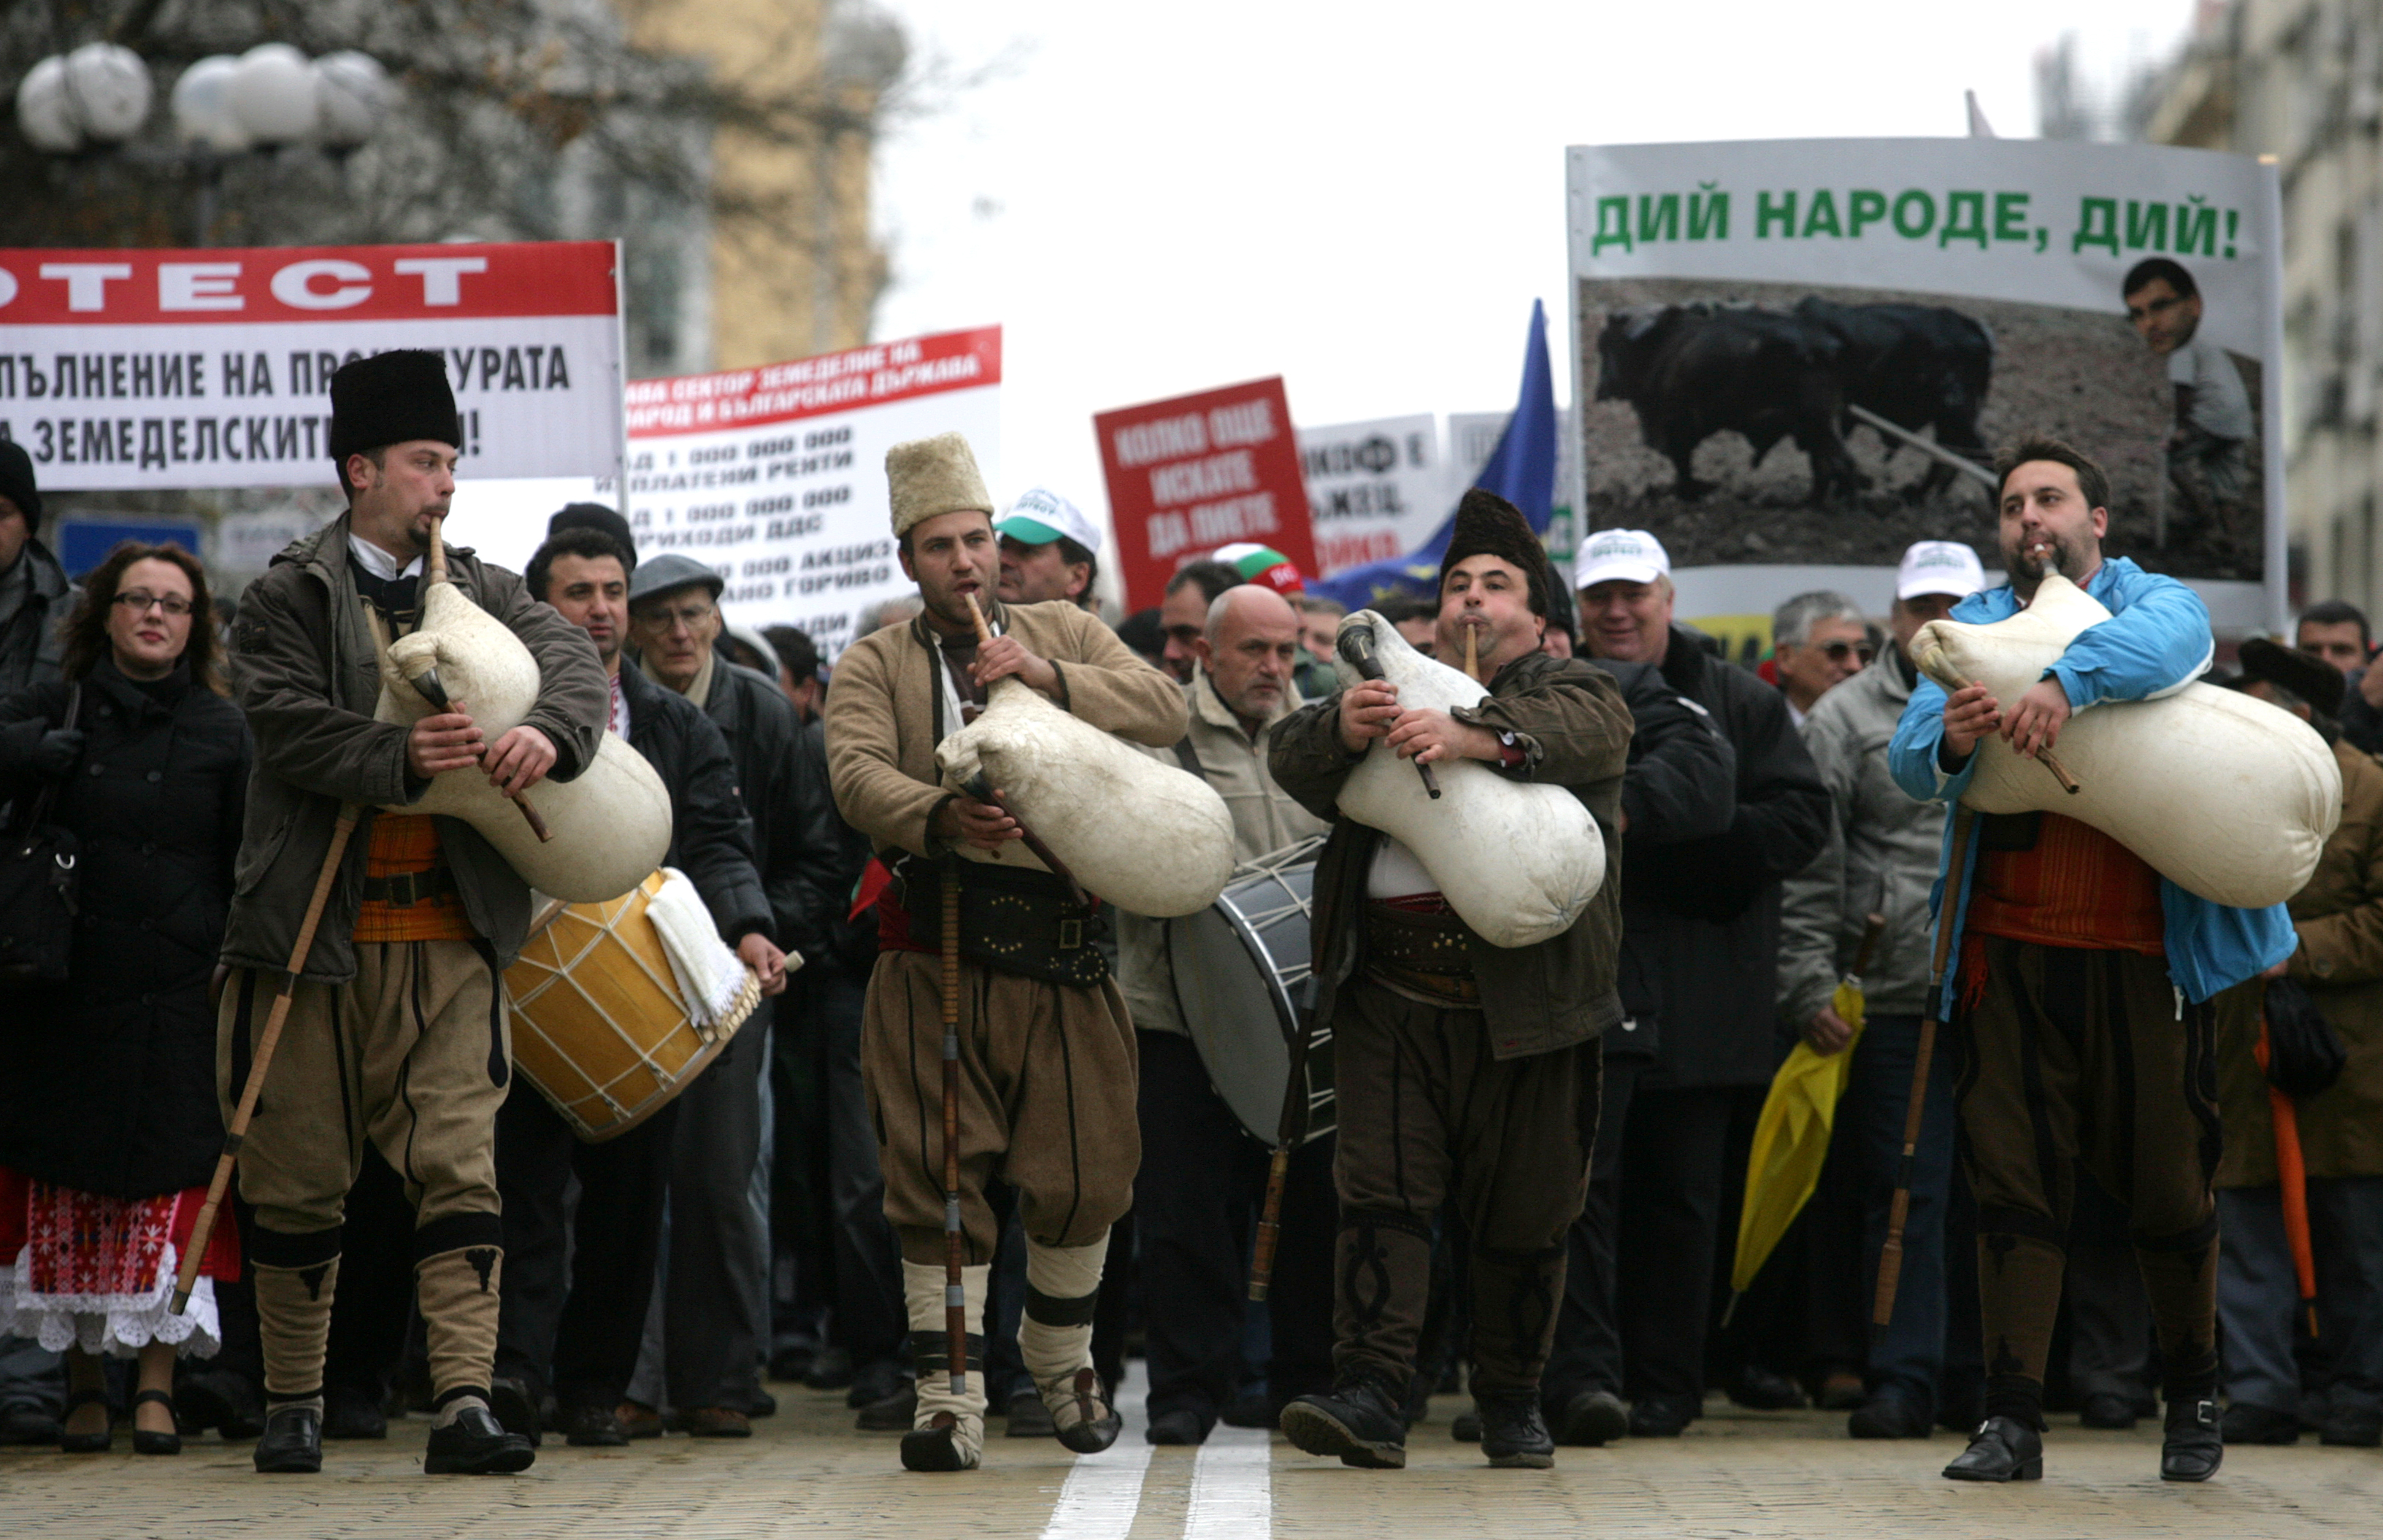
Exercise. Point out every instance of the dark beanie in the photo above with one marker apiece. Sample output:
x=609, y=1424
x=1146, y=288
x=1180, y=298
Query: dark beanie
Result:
x=595, y=516
x=17, y=482
x=1487, y=524
x=392, y=397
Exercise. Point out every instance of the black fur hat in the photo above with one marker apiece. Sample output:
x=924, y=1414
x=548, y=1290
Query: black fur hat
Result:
x=17, y=483
x=595, y=516
x=1487, y=524
x=2312, y=679
x=392, y=397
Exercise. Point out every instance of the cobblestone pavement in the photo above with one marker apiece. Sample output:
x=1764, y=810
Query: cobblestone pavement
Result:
x=806, y=1472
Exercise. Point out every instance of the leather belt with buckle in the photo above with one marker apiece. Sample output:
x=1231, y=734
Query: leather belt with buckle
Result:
x=408, y=888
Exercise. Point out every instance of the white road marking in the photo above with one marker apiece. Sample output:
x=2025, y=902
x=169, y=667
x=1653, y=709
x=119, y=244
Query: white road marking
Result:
x=1232, y=1487
x=1103, y=1491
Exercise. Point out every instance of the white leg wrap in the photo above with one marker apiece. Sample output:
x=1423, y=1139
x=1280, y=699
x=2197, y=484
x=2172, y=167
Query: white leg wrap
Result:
x=1054, y=1330
x=923, y=1289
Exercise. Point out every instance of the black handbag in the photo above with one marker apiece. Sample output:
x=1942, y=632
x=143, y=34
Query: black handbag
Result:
x=2304, y=1053
x=37, y=887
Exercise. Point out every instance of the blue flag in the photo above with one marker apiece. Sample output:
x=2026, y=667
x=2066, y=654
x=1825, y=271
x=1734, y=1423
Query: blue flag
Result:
x=1522, y=470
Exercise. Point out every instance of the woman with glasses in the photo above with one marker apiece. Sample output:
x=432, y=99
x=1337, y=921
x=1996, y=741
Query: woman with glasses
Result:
x=108, y=1120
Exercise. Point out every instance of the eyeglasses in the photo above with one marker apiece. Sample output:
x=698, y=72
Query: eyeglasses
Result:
x=1837, y=652
x=138, y=600
x=665, y=617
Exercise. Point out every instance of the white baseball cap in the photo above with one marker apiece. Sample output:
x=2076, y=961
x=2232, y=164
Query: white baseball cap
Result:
x=1620, y=556
x=1939, y=567
x=1041, y=516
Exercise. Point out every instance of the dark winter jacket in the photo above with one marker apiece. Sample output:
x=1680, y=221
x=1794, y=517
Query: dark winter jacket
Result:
x=711, y=840
x=1575, y=732
x=852, y=943
x=1703, y=921
x=785, y=794
x=107, y=1081
x=305, y=671
x=34, y=599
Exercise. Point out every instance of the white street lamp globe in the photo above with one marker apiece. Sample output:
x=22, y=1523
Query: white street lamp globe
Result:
x=351, y=94
x=108, y=86
x=273, y=94
x=43, y=110
x=201, y=102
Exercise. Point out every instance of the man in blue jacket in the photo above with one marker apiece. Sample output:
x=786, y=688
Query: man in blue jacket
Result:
x=2087, y=996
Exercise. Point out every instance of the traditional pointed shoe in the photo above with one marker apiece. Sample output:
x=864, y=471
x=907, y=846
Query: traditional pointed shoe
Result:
x=2002, y=1450
x=2193, y=1443
x=1096, y=1425
x=937, y=1446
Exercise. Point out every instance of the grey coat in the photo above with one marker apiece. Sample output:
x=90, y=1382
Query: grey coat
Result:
x=305, y=671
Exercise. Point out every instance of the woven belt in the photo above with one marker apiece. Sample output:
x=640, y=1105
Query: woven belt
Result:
x=1423, y=953
x=409, y=888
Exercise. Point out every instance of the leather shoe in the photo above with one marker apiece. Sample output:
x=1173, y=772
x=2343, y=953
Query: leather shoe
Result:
x=717, y=1422
x=1097, y=1423
x=896, y=1413
x=1759, y=1389
x=591, y=1427
x=349, y=1413
x=1465, y=1427
x=26, y=1424
x=2106, y=1409
x=1029, y=1418
x=218, y=1398
x=2192, y=1446
x=873, y=1382
x=476, y=1444
x=2355, y=1427
x=1842, y=1392
x=291, y=1442
x=1887, y=1417
x=2245, y=1424
x=1593, y=1418
x=638, y=1419
x=514, y=1405
x=2002, y=1450
x=1661, y=1417
x=1513, y=1433
x=146, y=1442
x=1176, y=1428
x=1357, y=1420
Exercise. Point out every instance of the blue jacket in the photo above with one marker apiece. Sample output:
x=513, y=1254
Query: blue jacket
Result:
x=2155, y=642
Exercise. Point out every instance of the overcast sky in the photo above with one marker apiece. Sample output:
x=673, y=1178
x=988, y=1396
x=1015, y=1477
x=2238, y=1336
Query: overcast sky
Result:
x=1364, y=199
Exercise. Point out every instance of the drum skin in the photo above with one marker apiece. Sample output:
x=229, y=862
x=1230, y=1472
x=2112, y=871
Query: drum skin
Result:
x=1150, y=838
x=611, y=822
x=2229, y=797
x=598, y=1024
x=1517, y=862
x=1243, y=985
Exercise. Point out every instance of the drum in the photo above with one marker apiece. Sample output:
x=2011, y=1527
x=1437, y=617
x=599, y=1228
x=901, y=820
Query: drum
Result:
x=601, y=1024
x=1243, y=988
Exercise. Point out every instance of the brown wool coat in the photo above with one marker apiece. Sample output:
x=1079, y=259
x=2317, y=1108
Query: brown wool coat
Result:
x=2340, y=918
x=884, y=713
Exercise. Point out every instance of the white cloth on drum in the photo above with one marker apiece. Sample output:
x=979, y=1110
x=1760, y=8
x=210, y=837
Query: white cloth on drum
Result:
x=120, y=1324
x=711, y=976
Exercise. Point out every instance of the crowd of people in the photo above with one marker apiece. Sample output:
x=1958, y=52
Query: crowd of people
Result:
x=1533, y=1189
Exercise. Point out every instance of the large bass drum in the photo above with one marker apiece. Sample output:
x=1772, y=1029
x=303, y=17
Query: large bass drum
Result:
x=1243, y=985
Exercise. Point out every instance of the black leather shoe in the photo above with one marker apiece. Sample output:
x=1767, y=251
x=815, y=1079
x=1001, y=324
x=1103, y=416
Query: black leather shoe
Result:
x=1514, y=1435
x=292, y=1443
x=873, y=1382
x=1029, y=1418
x=1759, y=1389
x=514, y=1406
x=476, y=1444
x=1592, y=1419
x=1357, y=1420
x=1887, y=1417
x=1465, y=1427
x=590, y=1427
x=2193, y=1446
x=2103, y=1409
x=349, y=1413
x=894, y=1415
x=87, y=1443
x=2245, y=1424
x=1177, y=1428
x=23, y=1423
x=222, y=1400
x=2355, y=1427
x=1661, y=1417
x=146, y=1442
x=2002, y=1450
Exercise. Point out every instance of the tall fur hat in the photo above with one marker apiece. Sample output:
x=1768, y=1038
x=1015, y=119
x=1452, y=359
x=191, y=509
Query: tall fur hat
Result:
x=927, y=476
x=392, y=397
x=1487, y=524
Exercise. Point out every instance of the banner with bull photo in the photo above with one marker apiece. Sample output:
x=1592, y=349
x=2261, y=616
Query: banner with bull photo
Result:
x=1795, y=358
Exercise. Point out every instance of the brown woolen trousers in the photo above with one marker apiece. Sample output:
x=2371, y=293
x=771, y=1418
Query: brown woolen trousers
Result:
x=1428, y=1112
x=2074, y=1056
x=1046, y=1102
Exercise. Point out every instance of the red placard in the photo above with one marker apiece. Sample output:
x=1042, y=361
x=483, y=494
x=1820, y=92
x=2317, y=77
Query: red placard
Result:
x=1191, y=474
x=247, y=285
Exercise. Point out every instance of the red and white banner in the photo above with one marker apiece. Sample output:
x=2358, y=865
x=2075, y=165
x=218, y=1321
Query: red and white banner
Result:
x=1189, y=474
x=775, y=477
x=162, y=369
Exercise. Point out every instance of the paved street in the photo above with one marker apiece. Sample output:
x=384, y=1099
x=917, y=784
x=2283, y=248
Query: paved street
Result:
x=806, y=1472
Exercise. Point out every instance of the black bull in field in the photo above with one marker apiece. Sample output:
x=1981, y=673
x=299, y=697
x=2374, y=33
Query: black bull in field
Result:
x=1694, y=370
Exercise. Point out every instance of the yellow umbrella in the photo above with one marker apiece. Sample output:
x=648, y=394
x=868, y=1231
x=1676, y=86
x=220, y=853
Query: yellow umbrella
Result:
x=1791, y=1140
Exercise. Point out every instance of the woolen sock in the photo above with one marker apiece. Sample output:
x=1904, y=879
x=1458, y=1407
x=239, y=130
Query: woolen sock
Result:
x=459, y=1293
x=2017, y=1398
x=922, y=1293
x=1055, y=1329
x=294, y=1320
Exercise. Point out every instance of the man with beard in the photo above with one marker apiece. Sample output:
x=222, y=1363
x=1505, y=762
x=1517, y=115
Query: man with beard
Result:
x=1046, y=1051
x=396, y=1031
x=2088, y=993
x=1466, y=1072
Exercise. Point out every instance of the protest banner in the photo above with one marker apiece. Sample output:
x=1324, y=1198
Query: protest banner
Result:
x=1376, y=491
x=1792, y=359
x=1197, y=471
x=161, y=370
x=774, y=478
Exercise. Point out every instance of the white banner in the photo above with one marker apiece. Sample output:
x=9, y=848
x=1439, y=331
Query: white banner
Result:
x=1377, y=488
x=775, y=477
x=159, y=370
